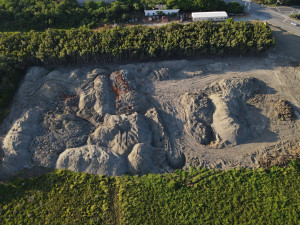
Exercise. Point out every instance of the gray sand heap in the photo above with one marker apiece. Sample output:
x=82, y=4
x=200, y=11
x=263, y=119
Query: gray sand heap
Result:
x=148, y=117
x=70, y=122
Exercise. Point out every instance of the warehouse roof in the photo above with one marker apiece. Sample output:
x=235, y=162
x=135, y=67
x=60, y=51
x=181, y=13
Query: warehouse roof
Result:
x=209, y=14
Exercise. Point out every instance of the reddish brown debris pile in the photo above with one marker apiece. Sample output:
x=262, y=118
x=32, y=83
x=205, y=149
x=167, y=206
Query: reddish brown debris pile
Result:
x=124, y=87
x=120, y=84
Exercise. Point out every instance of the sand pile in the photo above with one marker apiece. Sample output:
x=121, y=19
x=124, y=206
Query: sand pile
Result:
x=218, y=115
x=148, y=117
x=198, y=110
x=80, y=124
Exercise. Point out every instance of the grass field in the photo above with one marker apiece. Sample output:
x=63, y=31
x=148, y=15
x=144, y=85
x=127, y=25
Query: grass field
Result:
x=239, y=196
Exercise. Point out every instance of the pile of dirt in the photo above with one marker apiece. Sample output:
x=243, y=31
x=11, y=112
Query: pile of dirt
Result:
x=198, y=110
x=151, y=117
x=128, y=98
x=218, y=116
x=277, y=109
x=120, y=144
x=95, y=97
x=280, y=154
x=283, y=110
x=83, y=128
x=161, y=74
x=16, y=144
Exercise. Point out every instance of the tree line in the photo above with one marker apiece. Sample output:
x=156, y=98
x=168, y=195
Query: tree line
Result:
x=136, y=42
x=19, y=50
x=24, y=15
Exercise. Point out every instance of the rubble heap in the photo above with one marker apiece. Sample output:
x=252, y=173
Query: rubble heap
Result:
x=283, y=110
x=280, y=154
x=128, y=100
x=199, y=116
x=217, y=116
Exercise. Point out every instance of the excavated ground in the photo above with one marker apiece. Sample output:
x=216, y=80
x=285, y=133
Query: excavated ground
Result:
x=155, y=117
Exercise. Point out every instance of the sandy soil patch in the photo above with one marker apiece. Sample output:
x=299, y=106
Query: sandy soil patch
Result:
x=156, y=116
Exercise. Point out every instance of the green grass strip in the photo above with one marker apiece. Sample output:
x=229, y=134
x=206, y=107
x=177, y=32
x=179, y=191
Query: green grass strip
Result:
x=239, y=196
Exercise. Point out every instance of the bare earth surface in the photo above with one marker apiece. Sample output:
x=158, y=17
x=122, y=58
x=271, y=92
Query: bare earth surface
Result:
x=157, y=116
x=281, y=82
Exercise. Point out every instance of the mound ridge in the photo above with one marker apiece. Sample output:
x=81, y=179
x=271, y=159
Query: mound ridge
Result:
x=218, y=116
x=141, y=118
x=80, y=129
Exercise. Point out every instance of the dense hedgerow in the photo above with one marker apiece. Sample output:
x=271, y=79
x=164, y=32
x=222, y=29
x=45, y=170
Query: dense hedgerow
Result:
x=137, y=42
x=20, y=50
x=239, y=196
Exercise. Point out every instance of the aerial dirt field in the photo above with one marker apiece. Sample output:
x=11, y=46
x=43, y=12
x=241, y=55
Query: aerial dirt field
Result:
x=157, y=116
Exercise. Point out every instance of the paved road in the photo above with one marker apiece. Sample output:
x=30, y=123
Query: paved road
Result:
x=277, y=16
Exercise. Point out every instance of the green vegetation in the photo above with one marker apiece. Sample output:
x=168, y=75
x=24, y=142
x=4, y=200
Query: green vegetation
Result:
x=235, y=8
x=24, y=15
x=198, y=197
x=61, y=197
x=296, y=16
x=10, y=74
x=202, y=5
x=273, y=2
x=20, y=50
x=201, y=196
x=137, y=42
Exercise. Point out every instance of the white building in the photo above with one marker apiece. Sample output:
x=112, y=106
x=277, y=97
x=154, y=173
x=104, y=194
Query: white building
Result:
x=211, y=16
x=164, y=11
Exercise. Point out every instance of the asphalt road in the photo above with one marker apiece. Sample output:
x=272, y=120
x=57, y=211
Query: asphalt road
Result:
x=277, y=16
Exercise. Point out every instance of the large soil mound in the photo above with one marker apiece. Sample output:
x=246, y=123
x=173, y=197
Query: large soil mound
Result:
x=218, y=116
x=150, y=117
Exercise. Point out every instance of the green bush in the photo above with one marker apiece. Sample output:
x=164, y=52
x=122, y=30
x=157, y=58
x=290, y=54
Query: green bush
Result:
x=234, y=7
x=61, y=197
x=137, y=42
x=239, y=196
x=296, y=16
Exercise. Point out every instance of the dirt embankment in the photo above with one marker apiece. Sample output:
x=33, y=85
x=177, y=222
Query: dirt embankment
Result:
x=154, y=117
